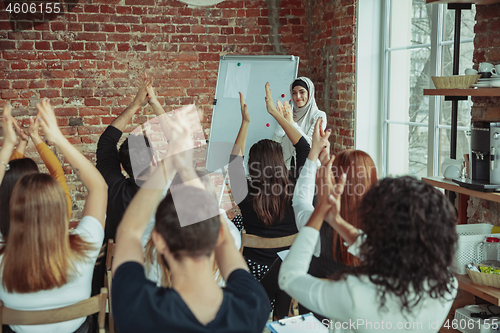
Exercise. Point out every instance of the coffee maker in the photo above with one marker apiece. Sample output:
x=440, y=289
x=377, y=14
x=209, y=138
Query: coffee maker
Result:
x=480, y=151
x=484, y=158
x=494, y=153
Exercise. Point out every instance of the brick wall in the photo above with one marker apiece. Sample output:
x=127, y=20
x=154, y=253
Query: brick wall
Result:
x=86, y=59
x=486, y=48
x=332, y=45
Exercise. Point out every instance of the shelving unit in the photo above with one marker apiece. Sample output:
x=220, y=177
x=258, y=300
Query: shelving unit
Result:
x=489, y=294
x=477, y=2
x=484, y=92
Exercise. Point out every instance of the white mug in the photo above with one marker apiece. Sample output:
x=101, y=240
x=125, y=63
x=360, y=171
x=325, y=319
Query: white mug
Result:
x=470, y=71
x=495, y=70
x=485, y=67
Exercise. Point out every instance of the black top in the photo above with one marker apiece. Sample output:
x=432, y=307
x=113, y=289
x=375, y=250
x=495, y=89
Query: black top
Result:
x=252, y=223
x=140, y=306
x=121, y=190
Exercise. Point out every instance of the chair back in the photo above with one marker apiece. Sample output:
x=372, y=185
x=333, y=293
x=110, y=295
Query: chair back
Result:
x=110, y=254
x=264, y=243
x=96, y=304
x=108, y=279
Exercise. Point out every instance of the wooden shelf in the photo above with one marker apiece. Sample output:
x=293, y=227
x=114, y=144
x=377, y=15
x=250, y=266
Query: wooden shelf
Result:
x=451, y=186
x=477, y=2
x=489, y=294
x=485, y=92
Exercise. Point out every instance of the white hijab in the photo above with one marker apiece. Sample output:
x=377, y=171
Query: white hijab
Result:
x=305, y=117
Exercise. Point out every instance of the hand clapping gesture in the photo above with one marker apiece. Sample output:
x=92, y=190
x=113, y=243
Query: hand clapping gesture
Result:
x=244, y=109
x=142, y=95
x=320, y=144
x=9, y=133
x=47, y=119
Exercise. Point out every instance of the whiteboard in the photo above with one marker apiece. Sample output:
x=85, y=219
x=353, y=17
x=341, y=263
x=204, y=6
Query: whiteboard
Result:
x=247, y=74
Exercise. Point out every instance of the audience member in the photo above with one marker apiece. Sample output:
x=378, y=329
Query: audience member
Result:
x=110, y=161
x=265, y=200
x=407, y=247
x=305, y=114
x=43, y=266
x=19, y=166
x=194, y=303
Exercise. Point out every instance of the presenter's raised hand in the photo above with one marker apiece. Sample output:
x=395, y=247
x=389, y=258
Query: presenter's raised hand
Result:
x=244, y=109
x=285, y=110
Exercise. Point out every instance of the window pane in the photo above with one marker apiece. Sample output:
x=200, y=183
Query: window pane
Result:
x=465, y=59
x=466, y=28
x=404, y=34
x=409, y=74
x=407, y=157
x=463, y=145
x=463, y=114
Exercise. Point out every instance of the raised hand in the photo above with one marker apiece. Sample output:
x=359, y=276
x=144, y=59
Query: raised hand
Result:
x=47, y=119
x=33, y=130
x=285, y=110
x=244, y=109
x=269, y=102
x=9, y=133
x=142, y=95
x=319, y=140
x=19, y=131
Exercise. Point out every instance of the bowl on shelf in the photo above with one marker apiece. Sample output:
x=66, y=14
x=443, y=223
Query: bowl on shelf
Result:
x=455, y=81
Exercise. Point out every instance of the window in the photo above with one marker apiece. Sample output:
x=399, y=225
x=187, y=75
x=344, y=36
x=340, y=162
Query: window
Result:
x=418, y=44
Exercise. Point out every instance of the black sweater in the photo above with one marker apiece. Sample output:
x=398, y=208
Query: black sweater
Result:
x=251, y=222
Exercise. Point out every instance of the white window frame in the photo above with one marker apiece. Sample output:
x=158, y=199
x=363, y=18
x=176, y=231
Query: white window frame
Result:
x=436, y=46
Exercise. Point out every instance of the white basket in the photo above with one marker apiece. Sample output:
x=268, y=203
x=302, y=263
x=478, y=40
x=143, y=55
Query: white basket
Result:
x=466, y=324
x=469, y=235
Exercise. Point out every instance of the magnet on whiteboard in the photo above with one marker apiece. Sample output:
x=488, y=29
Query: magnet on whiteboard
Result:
x=282, y=95
x=239, y=64
x=267, y=125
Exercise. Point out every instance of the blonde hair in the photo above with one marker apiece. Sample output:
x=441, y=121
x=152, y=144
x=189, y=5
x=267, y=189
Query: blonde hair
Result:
x=39, y=253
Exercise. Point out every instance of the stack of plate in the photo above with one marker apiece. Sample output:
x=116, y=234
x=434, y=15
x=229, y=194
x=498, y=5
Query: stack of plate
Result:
x=493, y=81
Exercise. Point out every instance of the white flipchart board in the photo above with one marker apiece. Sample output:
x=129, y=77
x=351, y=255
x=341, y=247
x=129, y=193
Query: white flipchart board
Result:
x=247, y=74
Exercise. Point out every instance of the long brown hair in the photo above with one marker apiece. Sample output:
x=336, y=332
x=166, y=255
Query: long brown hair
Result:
x=39, y=253
x=270, y=181
x=18, y=168
x=361, y=175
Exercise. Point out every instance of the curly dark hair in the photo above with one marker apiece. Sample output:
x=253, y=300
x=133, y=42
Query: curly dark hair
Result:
x=410, y=241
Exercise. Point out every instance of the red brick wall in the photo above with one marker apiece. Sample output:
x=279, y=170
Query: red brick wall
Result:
x=486, y=48
x=86, y=60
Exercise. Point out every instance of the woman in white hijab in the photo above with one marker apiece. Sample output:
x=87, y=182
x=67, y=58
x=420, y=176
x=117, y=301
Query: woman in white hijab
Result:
x=305, y=114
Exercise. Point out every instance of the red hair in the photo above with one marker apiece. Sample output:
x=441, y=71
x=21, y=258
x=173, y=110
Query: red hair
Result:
x=361, y=175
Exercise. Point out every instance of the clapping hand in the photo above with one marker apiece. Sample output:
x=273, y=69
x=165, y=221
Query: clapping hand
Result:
x=142, y=95
x=329, y=191
x=271, y=108
x=9, y=134
x=285, y=110
x=47, y=119
x=244, y=109
x=320, y=142
x=33, y=130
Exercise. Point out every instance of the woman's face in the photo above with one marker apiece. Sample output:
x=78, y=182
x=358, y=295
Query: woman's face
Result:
x=300, y=96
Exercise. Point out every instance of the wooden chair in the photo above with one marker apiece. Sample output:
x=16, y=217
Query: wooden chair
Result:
x=96, y=304
x=107, y=281
x=270, y=243
x=264, y=243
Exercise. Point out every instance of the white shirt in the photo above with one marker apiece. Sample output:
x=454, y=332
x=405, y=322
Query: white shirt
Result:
x=78, y=289
x=153, y=273
x=353, y=303
x=303, y=196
